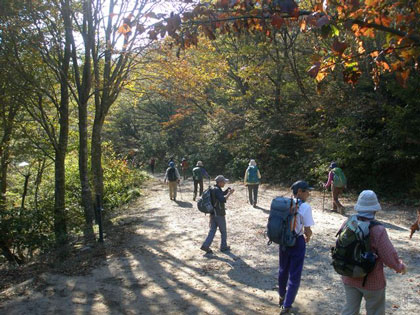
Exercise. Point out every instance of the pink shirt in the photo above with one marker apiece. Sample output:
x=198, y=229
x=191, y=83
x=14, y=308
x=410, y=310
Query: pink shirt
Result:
x=387, y=255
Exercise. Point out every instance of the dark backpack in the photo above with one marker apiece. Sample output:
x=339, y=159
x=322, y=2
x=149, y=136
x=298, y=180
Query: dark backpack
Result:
x=352, y=255
x=282, y=221
x=339, y=179
x=252, y=174
x=172, y=174
x=205, y=203
x=197, y=173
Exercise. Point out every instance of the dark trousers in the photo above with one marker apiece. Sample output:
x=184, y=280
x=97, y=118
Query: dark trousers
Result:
x=152, y=168
x=196, y=183
x=253, y=193
x=290, y=270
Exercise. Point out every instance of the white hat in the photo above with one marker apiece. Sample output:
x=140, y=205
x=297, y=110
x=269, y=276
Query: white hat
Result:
x=367, y=201
x=199, y=163
x=221, y=178
x=252, y=163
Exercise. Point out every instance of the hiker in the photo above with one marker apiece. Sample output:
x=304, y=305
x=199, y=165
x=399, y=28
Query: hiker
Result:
x=184, y=167
x=172, y=159
x=416, y=225
x=291, y=259
x=198, y=173
x=252, y=180
x=217, y=219
x=338, y=182
x=152, y=163
x=373, y=289
x=173, y=178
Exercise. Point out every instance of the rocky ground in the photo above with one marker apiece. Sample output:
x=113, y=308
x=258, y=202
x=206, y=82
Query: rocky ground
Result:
x=150, y=263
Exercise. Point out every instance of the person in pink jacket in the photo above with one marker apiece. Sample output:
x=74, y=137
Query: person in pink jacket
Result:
x=372, y=289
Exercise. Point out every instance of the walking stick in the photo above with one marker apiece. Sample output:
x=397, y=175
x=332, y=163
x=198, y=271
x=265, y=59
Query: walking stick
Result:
x=323, y=200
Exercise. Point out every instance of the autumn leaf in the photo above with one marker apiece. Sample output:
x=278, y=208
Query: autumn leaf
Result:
x=338, y=48
x=402, y=77
x=277, y=21
x=313, y=71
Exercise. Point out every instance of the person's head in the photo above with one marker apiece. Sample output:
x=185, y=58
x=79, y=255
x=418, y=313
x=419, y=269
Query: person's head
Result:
x=367, y=204
x=183, y=159
x=252, y=163
x=171, y=164
x=333, y=165
x=221, y=180
x=301, y=189
x=200, y=164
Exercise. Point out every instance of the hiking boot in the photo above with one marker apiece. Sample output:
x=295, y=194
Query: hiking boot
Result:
x=225, y=249
x=206, y=249
x=254, y=205
x=281, y=300
x=194, y=198
x=285, y=310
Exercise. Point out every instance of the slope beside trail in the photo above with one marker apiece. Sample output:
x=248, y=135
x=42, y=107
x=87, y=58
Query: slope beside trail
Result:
x=152, y=263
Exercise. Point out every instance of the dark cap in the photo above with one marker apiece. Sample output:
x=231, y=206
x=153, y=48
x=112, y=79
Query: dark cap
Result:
x=300, y=184
x=333, y=165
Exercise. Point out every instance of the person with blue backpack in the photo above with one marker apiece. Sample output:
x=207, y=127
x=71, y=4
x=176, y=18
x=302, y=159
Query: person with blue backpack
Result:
x=217, y=218
x=199, y=172
x=291, y=258
x=173, y=178
x=252, y=181
x=338, y=182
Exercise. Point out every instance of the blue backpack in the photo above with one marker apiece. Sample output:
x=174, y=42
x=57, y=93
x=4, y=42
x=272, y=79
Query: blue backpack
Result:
x=206, y=202
x=252, y=174
x=282, y=221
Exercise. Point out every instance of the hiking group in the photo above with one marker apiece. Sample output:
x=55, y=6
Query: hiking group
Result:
x=362, y=245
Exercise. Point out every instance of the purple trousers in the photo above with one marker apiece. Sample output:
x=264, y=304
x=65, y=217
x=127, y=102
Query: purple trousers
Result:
x=290, y=270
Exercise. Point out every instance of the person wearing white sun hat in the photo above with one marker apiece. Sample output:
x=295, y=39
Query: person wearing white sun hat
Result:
x=373, y=290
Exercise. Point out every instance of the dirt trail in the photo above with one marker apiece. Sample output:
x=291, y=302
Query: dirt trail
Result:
x=159, y=269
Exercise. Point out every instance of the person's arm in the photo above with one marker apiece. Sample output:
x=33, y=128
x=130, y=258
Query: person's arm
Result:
x=307, y=232
x=307, y=221
x=204, y=172
x=259, y=174
x=330, y=178
x=166, y=176
x=245, y=176
x=388, y=254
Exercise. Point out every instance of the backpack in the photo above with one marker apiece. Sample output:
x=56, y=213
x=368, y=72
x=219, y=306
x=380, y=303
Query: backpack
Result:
x=352, y=255
x=197, y=173
x=205, y=203
x=252, y=174
x=282, y=221
x=339, y=179
x=172, y=174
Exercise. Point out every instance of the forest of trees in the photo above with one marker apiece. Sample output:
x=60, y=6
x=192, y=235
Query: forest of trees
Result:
x=92, y=89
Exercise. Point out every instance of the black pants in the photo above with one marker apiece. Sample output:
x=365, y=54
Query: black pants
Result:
x=196, y=183
x=253, y=193
x=152, y=168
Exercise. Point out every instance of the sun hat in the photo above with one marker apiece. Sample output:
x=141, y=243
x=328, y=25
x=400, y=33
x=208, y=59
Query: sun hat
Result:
x=333, y=165
x=221, y=178
x=171, y=164
x=199, y=163
x=252, y=162
x=367, y=201
x=300, y=184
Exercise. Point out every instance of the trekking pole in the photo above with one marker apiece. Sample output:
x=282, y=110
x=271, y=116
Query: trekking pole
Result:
x=323, y=199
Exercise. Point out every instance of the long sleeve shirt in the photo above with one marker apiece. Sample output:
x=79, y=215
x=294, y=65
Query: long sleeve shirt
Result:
x=220, y=200
x=387, y=255
x=330, y=179
x=178, y=177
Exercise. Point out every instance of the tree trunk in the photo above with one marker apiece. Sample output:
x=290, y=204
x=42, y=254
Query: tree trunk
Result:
x=96, y=157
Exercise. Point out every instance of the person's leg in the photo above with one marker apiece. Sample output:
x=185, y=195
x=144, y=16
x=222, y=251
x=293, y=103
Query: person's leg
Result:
x=221, y=222
x=255, y=194
x=212, y=232
x=175, y=189
x=334, y=197
x=171, y=190
x=375, y=302
x=195, y=188
x=297, y=257
x=250, y=194
x=284, y=267
x=353, y=300
x=200, y=182
x=336, y=193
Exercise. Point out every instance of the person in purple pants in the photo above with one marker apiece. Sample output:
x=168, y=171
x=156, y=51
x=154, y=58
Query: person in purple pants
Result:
x=291, y=259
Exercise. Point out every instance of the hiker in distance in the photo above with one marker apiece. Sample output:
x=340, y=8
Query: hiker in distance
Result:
x=338, y=182
x=291, y=259
x=152, y=164
x=218, y=219
x=199, y=172
x=252, y=180
x=173, y=178
x=371, y=287
x=184, y=167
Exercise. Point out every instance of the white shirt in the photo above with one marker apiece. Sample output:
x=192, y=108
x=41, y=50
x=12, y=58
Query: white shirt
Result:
x=303, y=218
